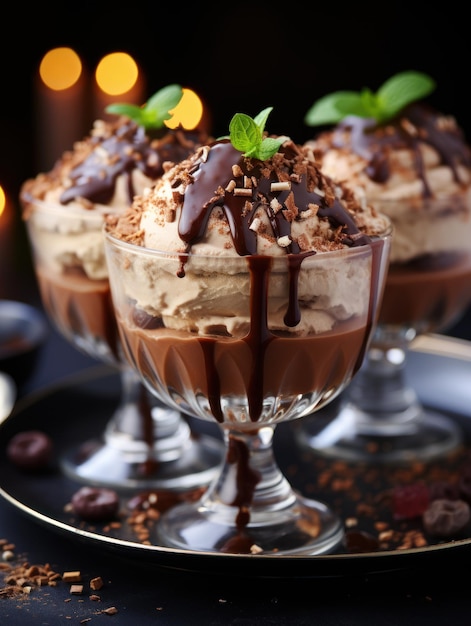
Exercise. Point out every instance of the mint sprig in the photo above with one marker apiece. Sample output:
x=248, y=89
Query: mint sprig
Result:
x=155, y=111
x=393, y=95
x=246, y=135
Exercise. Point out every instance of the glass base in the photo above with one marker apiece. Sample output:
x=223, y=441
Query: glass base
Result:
x=417, y=434
x=176, y=461
x=307, y=527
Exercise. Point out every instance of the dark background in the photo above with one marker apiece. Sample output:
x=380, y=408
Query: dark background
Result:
x=239, y=57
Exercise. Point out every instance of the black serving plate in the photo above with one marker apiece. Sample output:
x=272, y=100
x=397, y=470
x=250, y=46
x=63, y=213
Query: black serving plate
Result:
x=78, y=408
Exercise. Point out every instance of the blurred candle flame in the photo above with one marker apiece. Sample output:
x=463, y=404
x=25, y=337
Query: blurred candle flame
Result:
x=118, y=78
x=60, y=68
x=6, y=244
x=3, y=201
x=188, y=112
x=116, y=73
x=60, y=90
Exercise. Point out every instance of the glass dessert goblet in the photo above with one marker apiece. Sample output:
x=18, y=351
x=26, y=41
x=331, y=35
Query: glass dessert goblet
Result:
x=145, y=444
x=271, y=360
x=382, y=418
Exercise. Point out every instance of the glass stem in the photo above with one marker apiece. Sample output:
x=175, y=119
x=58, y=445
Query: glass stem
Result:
x=140, y=422
x=381, y=391
x=250, y=477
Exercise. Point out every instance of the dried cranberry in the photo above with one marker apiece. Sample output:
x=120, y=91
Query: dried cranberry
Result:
x=410, y=500
x=95, y=503
x=30, y=450
x=445, y=518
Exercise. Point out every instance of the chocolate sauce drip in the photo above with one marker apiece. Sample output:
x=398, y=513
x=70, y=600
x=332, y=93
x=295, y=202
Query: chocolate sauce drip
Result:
x=150, y=465
x=202, y=196
x=205, y=194
x=246, y=479
x=128, y=148
x=417, y=124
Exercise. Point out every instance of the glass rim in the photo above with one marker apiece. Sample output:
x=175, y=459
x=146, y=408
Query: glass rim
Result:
x=346, y=251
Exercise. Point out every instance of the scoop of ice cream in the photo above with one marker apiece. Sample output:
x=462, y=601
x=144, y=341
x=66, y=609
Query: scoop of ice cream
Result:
x=217, y=207
x=102, y=173
x=416, y=169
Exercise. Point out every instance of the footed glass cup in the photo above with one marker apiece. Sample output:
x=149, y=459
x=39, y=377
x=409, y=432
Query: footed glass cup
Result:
x=145, y=444
x=245, y=342
x=381, y=418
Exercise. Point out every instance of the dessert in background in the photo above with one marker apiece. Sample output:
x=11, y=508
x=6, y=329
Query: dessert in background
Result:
x=413, y=164
x=246, y=286
x=144, y=444
x=101, y=174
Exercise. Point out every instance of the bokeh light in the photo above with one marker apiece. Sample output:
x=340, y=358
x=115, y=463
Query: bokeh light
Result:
x=116, y=73
x=60, y=68
x=188, y=112
x=3, y=201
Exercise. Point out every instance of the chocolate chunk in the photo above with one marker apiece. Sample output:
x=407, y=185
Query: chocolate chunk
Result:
x=30, y=450
x=357, y=542
x=444, y=518
x=95, y=503
x=144, y=320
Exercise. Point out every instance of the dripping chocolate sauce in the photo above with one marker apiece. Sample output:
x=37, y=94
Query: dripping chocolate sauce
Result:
x=417, y=124
x=128, y=148
x=199, y=201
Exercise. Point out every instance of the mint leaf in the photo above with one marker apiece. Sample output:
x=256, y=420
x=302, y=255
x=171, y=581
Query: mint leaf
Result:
x=246, y=135
x=155, y=111
x=334, y=107
x=269, y=147
x=261, y=118
x=402, y=89
x=395, y=94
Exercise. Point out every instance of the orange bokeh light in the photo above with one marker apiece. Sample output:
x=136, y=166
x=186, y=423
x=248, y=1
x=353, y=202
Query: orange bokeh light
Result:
x=3, y=201
x=188, y=112
x=116, y=73
x=60, y=68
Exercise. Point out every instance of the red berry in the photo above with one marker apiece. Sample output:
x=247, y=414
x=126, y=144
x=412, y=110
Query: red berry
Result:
x=410, y=501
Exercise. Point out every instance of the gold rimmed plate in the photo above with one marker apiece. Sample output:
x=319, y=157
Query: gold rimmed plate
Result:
x=78, y=407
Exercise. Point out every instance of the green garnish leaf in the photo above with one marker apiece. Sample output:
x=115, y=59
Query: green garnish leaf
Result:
x=246, y=135
x=155, y=111
x=393, y=95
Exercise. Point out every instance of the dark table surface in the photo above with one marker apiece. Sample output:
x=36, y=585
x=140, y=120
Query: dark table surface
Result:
x=143, y=594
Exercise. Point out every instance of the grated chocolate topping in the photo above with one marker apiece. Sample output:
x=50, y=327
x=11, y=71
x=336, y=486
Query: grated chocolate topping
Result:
x=417, y=124
x=289, y=187
x=288, y=177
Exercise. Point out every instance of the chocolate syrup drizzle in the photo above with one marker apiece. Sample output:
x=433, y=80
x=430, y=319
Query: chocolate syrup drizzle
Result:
x=201, y=197
x=417, y=124
x=128, y=148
